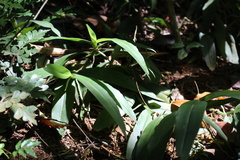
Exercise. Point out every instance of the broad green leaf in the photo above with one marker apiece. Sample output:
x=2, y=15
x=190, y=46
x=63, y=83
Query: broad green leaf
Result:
x=47, y=24
x=122, y=102
x=188, y=120
x=30, y=152
x=143, y=120
x=92, y=35
x=216, y=127
x=131, y=49
x=208, y=50
x=117, y=78
x=103, y=120
x=58, y=71
x=140, y=149
x=103, y=94
x=63, y=101
x=157, y=142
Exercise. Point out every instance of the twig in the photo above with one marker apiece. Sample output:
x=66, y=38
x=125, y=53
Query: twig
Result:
x=83, y=132
x=140, y=94
x=113, y=154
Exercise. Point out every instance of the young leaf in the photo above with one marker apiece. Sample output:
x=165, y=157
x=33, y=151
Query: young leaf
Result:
x=58, y=71
x=188, y=120
x=92, y=35
x=104, y=96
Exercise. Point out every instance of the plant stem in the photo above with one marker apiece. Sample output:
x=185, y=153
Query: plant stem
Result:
x=174, y=26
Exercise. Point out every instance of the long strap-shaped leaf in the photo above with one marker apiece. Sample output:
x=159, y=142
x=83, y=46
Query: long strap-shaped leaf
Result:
x=188, y=119
x=104, y=95
x=131, y=49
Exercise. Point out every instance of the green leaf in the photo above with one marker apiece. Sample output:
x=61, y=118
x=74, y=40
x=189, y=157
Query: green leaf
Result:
x=224, y=93
x=104, y=96
x=103, y=120
x=66, y=58
x=47, y=24
x=24, y=112
x=22, y=153
x=152, y=143
x=65, y=38
x=158, y=141
x=220, y=34
x=194, y=45
x=63, y=102
x=117, y=78
x=182, y=54
x=131, y=49
x=58, y=71
x=143, y=120
x=92, y=35
x=41, y=72
x=122, y=102
x=209, y=50
x=216, y=127
x=188, y=120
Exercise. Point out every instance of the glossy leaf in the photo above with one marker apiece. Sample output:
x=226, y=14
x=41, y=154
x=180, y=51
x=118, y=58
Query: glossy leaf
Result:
x=188, y=120
x=58, y=71
x=152, y=143
x=63, y=102
x=162, y=133
x=131, y=49
x=143, y=120
x=117, y=78
x=104, y=96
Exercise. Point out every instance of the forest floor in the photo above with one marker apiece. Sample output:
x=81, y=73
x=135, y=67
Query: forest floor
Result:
x=81, y=142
